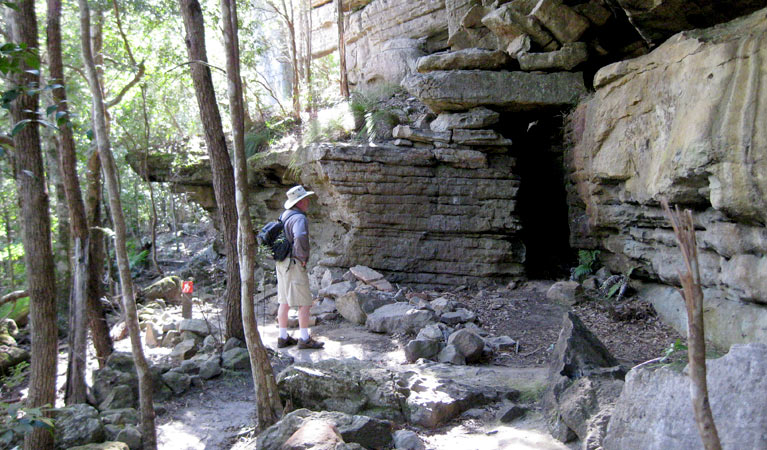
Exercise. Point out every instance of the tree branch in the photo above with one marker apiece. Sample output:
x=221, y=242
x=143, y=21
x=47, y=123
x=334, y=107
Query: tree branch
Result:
x=12, y=296
x=122, y=33
x=195, y=62
x=126, y=88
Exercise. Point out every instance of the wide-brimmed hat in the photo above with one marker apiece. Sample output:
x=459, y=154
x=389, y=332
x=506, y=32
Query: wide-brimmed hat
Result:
x=295, y=194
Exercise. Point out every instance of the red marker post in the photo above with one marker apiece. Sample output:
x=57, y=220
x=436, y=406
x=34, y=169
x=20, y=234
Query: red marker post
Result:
x=187, y=288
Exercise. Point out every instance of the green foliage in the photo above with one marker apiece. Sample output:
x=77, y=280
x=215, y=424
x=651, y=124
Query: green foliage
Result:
x=333, y=130
x=138, y=259
x=16, y=421
x=588, y=261
x=17, y=375
x=371, y=115
x=258, y=138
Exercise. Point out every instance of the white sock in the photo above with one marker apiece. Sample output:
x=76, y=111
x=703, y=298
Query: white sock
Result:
x=283, y=333
x=305, y=334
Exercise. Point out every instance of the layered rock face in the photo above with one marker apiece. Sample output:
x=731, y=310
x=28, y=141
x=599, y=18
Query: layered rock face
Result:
x=422, y=215
x=682, y=123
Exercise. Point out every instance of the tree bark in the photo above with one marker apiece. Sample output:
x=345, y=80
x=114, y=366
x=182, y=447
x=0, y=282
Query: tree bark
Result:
x=151, y=189
x=149, y=436
x=62, y=250
x=268, y=404
x=342, y=49
x=76, y=390
x=35, y=231
x=102, y=341
x=291, y=24
x=221, y=165
x=696, y=350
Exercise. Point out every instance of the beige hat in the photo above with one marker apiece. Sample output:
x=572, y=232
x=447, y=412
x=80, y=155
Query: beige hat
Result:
x=295, y=194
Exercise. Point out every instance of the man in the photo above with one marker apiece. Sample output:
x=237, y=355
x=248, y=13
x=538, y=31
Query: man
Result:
x=292, y=280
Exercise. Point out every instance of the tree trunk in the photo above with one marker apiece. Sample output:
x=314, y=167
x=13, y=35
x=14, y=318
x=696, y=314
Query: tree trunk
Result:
x=296, y=68
x=310, y=106
x=342, y=49
x=35, y=231
x=9, y=247
x=221, y=165
x=61, y=245
x=129, y=305
x=149, y=184
x=268, y=404
x=76, y=390
x=102, y=341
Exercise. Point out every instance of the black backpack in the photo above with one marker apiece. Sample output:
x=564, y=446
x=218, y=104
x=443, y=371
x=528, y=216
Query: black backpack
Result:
x=272, y=235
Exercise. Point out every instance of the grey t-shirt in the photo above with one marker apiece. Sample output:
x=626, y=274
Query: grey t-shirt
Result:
x=297, y=232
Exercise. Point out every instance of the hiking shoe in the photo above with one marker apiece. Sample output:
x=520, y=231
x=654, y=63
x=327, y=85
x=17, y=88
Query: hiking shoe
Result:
x=310, y=344
x=287, y=342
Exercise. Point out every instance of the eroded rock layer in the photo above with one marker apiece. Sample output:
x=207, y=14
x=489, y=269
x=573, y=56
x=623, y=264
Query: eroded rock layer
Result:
x=682, y=123
x=418, y=214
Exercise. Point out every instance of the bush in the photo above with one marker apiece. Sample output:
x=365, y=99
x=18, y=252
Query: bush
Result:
x=372, y=118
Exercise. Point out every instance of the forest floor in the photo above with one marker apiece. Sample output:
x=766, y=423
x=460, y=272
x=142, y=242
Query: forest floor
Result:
x=219, y=415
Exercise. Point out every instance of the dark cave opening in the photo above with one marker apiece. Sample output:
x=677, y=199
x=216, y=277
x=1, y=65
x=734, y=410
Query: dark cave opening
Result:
x=537, y=145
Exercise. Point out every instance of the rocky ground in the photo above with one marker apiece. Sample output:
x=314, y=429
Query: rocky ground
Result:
x=217, y=413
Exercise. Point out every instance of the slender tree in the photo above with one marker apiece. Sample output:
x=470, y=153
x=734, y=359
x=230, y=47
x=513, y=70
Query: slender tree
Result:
x=35, y=226
x=221, y=165
x=342, y=48
x=110, y=175
x=153, y=226
x=286, y=12
x=268, y=402
x=76, y=390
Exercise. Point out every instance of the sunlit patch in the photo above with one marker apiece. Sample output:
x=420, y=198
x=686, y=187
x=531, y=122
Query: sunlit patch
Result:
x=461, y=437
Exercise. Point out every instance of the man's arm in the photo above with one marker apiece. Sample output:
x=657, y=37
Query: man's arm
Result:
x=301, y=239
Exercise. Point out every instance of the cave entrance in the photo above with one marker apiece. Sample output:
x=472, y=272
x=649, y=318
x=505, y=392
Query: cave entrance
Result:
x=542, y=199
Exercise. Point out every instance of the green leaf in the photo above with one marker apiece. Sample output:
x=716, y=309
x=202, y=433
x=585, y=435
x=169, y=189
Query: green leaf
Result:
x=7, y=47
x=49, y=110
x=89, y=134
x=19, y=126
x=32, y=61
x=11, y=5
x=613, y=289
x=48, y=124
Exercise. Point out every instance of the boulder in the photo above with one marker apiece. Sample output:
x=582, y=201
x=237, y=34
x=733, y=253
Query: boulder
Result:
x=566, y=58
x=459, y=90
x=111, y=445
x=468, y=59
x=435, y=332
x=209, y=344
x=196, y=326
x=459, y=316
x=168, y=288
x=562, y=21
x=503, y=343
x=9, y=327
x=566, y=292
x=354, y=306
x=338, y=289
x=152, y=336
x=131, y=436
x=468, y=344
x=451, y=355
x=399, y=317
x=416, y=349
x=510, y=413
x=407, y=440
x=122, y=416
x=479, y=117
x=584, y=382
x=177, y=382
x=314, y=435
x=236, y=359
x=184, y=350
x=354, y=429
x=512, y=20
x=395, y=59
x=121, y=396
x=233, y=342
x=654, y=410
x=349, y=386
x=10, y=356
x=210, y=368
x=77, y=425
x=171, y=339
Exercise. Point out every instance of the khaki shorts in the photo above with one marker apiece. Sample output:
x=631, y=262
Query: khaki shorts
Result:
x=293, y=284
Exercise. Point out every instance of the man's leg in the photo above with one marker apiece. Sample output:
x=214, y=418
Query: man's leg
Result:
x=282, y=315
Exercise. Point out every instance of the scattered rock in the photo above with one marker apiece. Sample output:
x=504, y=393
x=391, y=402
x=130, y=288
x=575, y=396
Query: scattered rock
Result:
x=196, y=326
x=434, y=332
x=177, y=382
x=168, y=288
x=131, y=436
x=210, y=368
x=511, y=413
x=121, y=396
x=152, y=336
x=365, y=431
x=338, y=289
x=184, y=350
x=566, y=292
x=416, y=349
x=236, y=359
x=314, y=435
x=233, y=342
x=399, y=317
x=171, y=339
x=407, y=440
x=10, y=356
x=77, y=425
x=562, y=21
x=451, y=355
x=103, y=446
x=460, y=315
x=513, y=19
x=468, y=344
